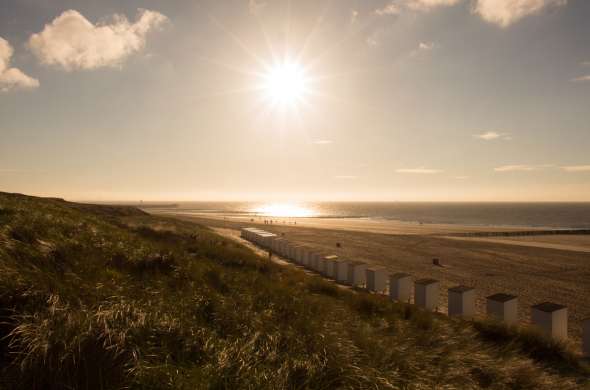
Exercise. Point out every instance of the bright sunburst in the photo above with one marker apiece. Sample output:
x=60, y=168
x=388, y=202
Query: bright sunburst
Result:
x=286, y=83
x=287, y=210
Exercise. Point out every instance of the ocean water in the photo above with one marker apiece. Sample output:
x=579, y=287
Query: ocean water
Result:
x=550, y=215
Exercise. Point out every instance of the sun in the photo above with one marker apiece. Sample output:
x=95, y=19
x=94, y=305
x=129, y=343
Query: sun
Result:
x=286, y=83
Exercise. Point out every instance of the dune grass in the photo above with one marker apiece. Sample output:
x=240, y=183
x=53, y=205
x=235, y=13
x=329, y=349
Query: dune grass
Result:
x=98, y=297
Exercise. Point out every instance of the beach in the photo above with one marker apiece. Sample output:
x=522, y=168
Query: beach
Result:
x=531, y=267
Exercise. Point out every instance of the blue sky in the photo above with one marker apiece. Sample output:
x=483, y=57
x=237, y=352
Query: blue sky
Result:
x=405, y=100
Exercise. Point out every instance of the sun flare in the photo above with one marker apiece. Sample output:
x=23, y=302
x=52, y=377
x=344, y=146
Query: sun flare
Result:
x=286, y=210
x=286, y=83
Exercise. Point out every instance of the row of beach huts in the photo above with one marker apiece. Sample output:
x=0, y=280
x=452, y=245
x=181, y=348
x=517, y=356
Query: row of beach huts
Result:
x=550, y=318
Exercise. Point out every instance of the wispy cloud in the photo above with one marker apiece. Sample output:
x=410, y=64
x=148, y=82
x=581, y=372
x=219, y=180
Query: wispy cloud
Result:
x=323, y=142
x=426, y=46
x=581, y=79
x=354, y=15
x=492, y=135
x=577, y=168
x=373, y=40
x=390, y=9
x=462, y=177
x=396, y=7
x=12, y=78
x=427, y=5
x=346, y=177
x=72, y=42
x=522, y=168
x=256, y=7
x=506, y=12
x=419, y=171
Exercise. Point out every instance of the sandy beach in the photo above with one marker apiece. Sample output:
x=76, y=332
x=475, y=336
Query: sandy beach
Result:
x=535, y=268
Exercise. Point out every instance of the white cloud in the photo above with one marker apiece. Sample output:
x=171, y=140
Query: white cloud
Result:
x=426, y=46
x=388, y=10
x=395, y=7
x=462, y=177
x=522, y=168
x=581, y=79
x=323, y=142
x=255, y=7
x=346, y=177
x=577, y=168
x=420, y=171
x=427, y=5
x=12, y=78
x=72, y=42
x=505, y=12
x=492, y=135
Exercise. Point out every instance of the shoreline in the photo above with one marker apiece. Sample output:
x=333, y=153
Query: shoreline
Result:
x=378, y=225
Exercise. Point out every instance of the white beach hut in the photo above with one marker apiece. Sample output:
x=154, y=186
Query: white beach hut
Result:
x=503, y=307
x=426, y=292
x=357, y=273
x=400, y=287
x=551, y=319
x=462, y=302
x=376, y=279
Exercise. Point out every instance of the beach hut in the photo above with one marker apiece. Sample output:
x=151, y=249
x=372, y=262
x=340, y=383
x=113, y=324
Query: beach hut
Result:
x=292, y=252
x=503, y=307
x=400, y=287
x=342, y=271
x=357, y=273
x=462, y=302
x=330, y=262
x=426, y=293
x=285, y=249
x=307, y=258
x=268, y=240
x=551, y=319
x=322, y=264
x=313, y=261
x=300, y=255
x=376, y=279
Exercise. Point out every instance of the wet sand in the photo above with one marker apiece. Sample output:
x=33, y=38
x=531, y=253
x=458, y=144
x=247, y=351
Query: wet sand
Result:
x=510, y=265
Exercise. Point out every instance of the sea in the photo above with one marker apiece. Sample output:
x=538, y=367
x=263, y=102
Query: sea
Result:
x=547, y=215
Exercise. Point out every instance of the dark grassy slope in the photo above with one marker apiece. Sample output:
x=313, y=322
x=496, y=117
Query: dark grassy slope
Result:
x=107, y=297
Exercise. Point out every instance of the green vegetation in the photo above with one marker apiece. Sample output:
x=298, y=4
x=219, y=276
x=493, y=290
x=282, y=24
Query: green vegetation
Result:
x=96, y=297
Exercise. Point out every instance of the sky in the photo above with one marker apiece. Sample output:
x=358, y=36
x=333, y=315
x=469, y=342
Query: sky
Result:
x=369, y=100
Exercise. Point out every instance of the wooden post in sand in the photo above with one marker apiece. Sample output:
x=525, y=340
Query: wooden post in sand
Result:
x=400, y=287
x=503, y=307
x=462, y=301
x=551, y=319
x=426, y=293
x=376, y=280
x=586, y=338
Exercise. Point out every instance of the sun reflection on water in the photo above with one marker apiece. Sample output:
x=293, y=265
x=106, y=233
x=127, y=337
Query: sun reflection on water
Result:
x=285, y=210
